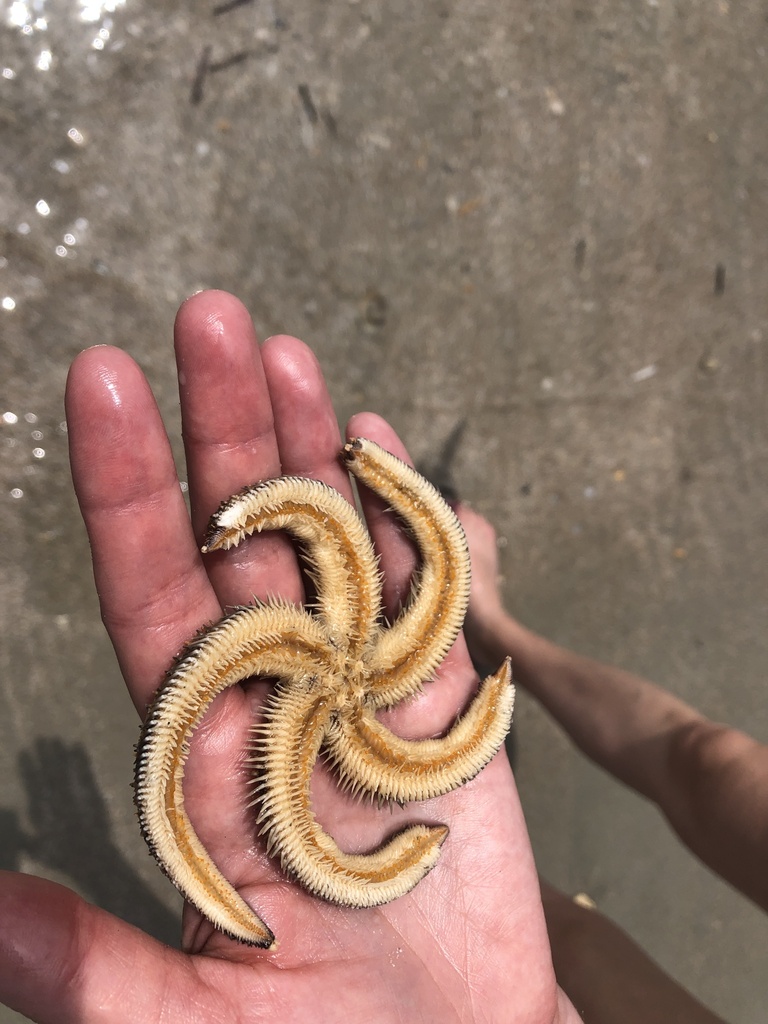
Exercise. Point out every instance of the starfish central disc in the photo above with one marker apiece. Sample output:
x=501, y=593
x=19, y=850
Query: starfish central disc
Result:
x=335, y=668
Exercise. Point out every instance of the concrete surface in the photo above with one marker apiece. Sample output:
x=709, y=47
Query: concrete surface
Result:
x=547, y=221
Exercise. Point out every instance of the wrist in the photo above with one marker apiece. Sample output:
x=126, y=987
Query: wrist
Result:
x=493, y=636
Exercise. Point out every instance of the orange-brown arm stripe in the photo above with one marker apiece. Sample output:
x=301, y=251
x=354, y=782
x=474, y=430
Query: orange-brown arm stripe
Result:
x=372, y=759
x=409, y=651
x=296, y=724
x=265, y=640
x=335, y=540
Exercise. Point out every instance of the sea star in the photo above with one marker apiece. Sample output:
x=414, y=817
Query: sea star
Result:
x=335, y=666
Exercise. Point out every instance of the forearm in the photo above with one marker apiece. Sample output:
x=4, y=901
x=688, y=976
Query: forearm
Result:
x=622, y=722
x=710, y=781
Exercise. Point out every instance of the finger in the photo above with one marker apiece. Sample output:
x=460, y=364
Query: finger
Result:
x=304, y=428
x=154, y=591
x=244, y=419
x=229, y=439
x=63, y=960
x=308, y=434
x=152, y=586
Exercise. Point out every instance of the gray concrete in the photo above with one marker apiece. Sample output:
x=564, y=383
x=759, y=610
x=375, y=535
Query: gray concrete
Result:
x=545, y=220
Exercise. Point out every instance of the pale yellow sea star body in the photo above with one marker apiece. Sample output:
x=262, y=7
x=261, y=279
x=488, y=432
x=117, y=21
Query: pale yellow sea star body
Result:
x=335, y=666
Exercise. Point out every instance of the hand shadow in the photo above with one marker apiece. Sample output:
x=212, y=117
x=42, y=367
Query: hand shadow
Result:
x=70, y=832
x=13, y=842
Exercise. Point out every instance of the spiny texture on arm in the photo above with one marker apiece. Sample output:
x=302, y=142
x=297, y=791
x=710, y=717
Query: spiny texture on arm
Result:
x=334, y=668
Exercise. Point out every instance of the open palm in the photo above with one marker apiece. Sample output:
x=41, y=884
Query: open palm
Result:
x=469, y=943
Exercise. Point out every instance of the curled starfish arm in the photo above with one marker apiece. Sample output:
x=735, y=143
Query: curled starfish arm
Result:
x=334, y=668
x=408, y=653
x=371, y=759
x=337, y=546
x=262, y=640
x=296, y=721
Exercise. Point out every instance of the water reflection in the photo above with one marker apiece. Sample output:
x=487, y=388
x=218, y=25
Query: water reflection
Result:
x=29, y=15
x=94, y=10
x=31, y=18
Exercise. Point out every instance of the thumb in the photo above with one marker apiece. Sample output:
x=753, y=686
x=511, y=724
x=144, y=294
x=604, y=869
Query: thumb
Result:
x=63, y=960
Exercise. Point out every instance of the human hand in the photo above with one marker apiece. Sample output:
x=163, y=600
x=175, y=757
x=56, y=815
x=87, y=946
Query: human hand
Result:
x=485, y=596
x=468, y=943
x=486, y=618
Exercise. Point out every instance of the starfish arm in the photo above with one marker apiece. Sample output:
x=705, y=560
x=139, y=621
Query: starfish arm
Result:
x=409, y=651
x=296, y=723
x=371, y=759
x=335, y=540
x=270, y=639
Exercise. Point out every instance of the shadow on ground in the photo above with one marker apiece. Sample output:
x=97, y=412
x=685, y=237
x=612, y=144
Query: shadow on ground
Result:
x=70, y=832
